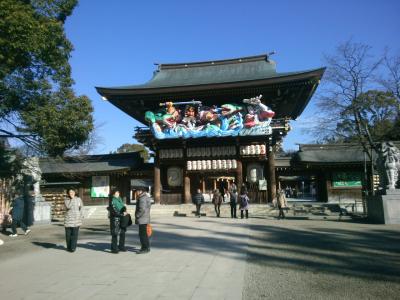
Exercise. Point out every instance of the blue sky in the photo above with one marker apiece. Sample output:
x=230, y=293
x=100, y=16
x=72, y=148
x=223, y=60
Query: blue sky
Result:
x=117, y=43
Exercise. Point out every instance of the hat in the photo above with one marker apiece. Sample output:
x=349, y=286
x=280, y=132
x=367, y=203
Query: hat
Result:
x=141, y=184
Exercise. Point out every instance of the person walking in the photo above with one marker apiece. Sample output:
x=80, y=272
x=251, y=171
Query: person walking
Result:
x=17, y=213
x=217, y=200
x=198, y=200
x=73, y=219
x=244, y=204
x=117, y=211
x=282, y=204
x=142, y=218
x=233, y=202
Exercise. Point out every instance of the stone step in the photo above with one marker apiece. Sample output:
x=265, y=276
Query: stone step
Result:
x=100, y=212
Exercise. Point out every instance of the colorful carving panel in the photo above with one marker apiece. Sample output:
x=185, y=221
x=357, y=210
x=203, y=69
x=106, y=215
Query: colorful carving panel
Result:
x=192, y=120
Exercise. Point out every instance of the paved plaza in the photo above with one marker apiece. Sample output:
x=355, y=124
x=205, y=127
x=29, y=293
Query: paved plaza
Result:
x=208, y=258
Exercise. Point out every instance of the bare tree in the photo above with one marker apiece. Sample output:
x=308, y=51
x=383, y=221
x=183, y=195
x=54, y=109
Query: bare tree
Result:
x=391, y=81
x=90, y=145
x=350, y=73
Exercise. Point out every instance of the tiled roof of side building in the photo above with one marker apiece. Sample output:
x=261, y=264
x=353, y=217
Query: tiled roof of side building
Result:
x=93, y=163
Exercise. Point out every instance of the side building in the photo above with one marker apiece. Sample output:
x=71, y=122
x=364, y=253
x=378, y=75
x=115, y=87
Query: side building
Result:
x=94, y=177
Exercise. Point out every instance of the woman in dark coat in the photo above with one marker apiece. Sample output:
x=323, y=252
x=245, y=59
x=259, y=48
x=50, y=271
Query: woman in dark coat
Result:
x=244, y=203
x=117, y=212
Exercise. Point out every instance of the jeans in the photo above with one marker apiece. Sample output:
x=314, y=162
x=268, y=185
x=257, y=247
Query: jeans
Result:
x=217, y=209
x=14, y=225
x=233, y=210
x=144, y=239
x=247, y=214
x=71, y=236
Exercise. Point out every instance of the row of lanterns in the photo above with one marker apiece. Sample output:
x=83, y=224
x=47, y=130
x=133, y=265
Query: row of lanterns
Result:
x=171, y=153
x=258, y=149
x=211, y=151
x=218, y=164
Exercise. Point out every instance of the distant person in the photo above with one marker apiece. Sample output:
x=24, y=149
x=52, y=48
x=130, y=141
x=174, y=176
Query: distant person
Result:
x=282, y=204
x=17, y=213
x=287, y=191
x=217, y=200
x=313, y=191
x=73, y=219
x=233, y=201
x=227, y=196
x=198, y=200
x=142, y=218
x=244, y=204
x=117, y=210
x=294, y=192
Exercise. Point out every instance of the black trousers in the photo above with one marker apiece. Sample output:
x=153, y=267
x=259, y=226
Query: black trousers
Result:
x=14, y=225
x=247, y=213
x=198, y=206
x=115, y=246
x=71, y=236
x=217, y=209
x=144, y=239
x=281, y=213
x=233, y=210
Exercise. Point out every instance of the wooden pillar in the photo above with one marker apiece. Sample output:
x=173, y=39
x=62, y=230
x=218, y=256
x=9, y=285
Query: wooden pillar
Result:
x=157, y=181
x=271, y=179
x=187, y=197
x=203, y=185
x=239, y=175
x=215, y=184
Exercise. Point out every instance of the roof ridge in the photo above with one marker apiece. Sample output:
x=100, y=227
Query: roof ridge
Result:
x=216, y=62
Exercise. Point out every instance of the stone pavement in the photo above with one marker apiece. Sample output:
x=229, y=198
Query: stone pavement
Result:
x=190, y=259
x=208, y=258
x=298, y=258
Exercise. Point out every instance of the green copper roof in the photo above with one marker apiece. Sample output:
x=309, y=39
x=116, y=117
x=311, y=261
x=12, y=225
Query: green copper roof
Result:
x=171, y=75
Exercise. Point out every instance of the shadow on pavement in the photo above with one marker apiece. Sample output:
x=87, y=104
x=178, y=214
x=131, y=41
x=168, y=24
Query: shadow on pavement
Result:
x=49, y=245
x=103, y=247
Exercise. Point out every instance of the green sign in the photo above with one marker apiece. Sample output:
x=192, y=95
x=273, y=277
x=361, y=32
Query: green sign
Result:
x=346, y=179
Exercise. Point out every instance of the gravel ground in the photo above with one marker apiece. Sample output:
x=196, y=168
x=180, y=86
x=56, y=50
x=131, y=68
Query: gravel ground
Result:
x=313, y=259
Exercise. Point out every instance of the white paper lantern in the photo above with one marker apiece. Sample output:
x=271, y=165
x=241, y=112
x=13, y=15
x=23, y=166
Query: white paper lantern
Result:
x=257, y=148
x=214, y=164
x=252, y=150
x=209, y=165
x=262, y=149
x=189, y=165
x=194, y=165
x=234, y=164
x=229, y=164
x=224, y=164
x=219, y=164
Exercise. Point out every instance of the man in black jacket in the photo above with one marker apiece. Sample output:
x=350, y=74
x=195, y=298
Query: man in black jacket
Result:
x=197, y=200
x=142, y=218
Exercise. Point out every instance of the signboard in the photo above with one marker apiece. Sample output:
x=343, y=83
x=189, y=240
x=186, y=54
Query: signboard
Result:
x=190, y=119
x=262, y=185
x=100, y=187
x=346, y=179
